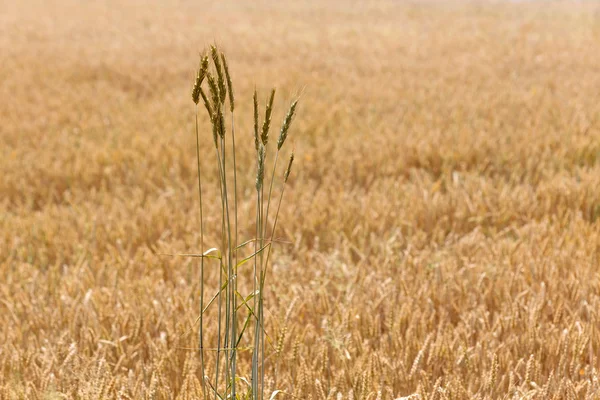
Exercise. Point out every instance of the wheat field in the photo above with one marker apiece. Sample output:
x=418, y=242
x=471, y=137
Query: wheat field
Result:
x=440, y=236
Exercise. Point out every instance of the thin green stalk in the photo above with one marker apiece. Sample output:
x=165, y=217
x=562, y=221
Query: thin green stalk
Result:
x=218, y=95
x=219, y=327
x=275, y=222
x=226, y=225
x=233, y=271
x=226, y=240
x=254, y=352
x=234, y=289
x=262, y=341
x=266, y=265
x=260, y=297
x=257, y=302
x=271, y=189
x=220, y=302
x=261, y=314
x=201, y=330
x=257, y=243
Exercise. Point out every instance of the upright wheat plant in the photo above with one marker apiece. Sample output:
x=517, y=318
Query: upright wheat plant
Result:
x=223, y=383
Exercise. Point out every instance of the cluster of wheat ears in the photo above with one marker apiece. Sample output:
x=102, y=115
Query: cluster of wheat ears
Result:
x=232, y=304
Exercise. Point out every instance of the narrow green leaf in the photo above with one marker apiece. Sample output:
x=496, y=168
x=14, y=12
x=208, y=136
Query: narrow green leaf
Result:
x=245, y=260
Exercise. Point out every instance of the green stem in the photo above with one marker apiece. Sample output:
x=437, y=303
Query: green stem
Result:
x=226, y=245
x=263, y=275
x=220, y=303
x=271, y=190
x=258, y=242
x=261, y=316
x=201, y=330
x=234, y=288
x=275, y=224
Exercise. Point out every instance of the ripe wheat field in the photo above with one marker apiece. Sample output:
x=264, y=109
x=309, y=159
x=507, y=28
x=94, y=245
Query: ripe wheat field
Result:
x=440, y=233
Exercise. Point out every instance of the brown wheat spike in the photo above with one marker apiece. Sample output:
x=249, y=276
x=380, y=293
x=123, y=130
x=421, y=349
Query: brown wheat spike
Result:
x=289, y=168
x=255, y=119
x=320, y=391
x=324, y=364
x=214, y=89
x=220, y=79
x=199, y=79
x=295, y=350
x=211, y=115
x=261, y=167
x=221, y=121
x=436, y=387
x=588, y=390
x=548, y=385
x=571, y=392
x=206, y=104
x=421, y=392
x=529, y=370
x=216, y=130
x=281, y=340
x=466, y=359
x=302, y=377
x=494, y=372
x=267, y=122
x=285, y=127
x=511, y=382
x=229, y=84
x=417, y=362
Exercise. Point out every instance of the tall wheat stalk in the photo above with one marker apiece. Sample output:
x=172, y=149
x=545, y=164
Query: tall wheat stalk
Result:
x=229, y=336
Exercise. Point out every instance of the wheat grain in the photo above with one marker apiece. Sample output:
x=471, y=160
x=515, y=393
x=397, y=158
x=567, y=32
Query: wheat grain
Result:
x=287, y=122
x=229, y=84
x=260, y=175
x=199, y=79
x=222, y=90
x=264, y=136
x=289, y=168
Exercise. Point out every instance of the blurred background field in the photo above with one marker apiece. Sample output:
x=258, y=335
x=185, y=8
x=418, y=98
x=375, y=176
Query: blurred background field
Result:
x=442, y=215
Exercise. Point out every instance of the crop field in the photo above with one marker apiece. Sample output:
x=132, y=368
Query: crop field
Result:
x=439, y=237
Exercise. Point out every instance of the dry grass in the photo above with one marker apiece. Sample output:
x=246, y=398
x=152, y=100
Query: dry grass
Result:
x=443, y=211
